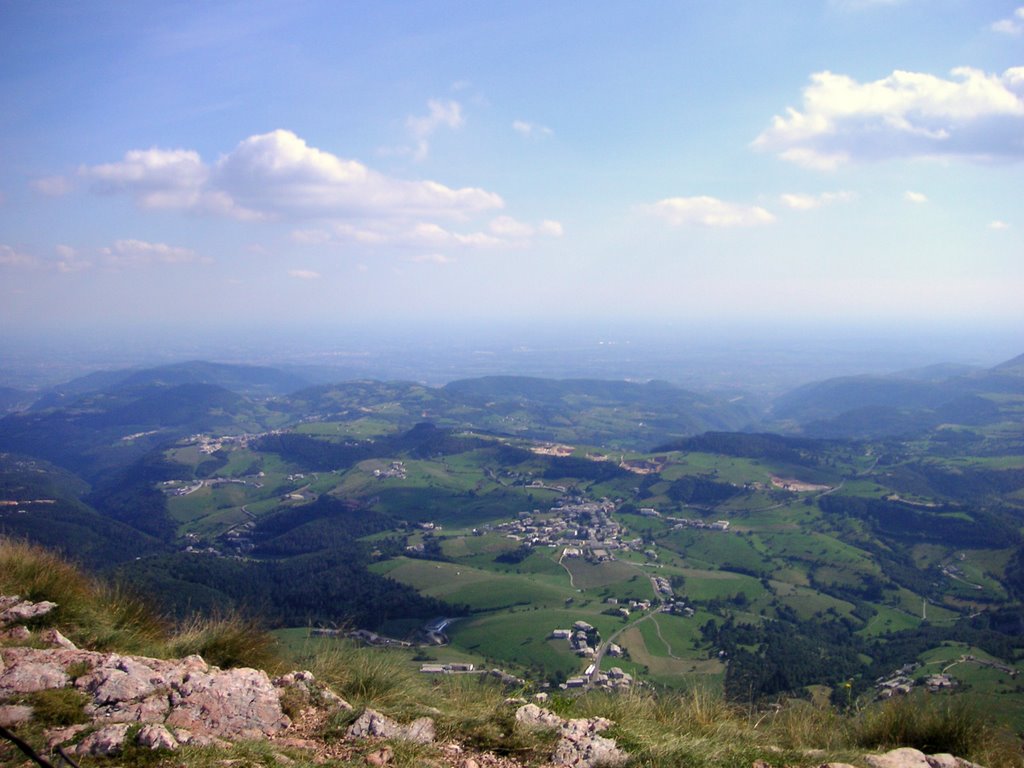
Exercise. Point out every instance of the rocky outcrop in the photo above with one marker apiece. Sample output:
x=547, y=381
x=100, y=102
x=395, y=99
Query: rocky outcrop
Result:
x=580, y=744
x=188, y=694
x=180, y=701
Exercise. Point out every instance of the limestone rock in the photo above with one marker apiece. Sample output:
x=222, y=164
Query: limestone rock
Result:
x=913, y=758
x=532, y=717
x=580, y=744
x=23, y=610
x=18, y=634
x=58, y=736
x=904, y=757
x=14, y=714
x=156, y=737
x=234, y=703
x=946, y=760
x=28, y=673
x=121, y=679
x=373, y=724
x=106, y=741
x=312, y=693
x=53, y=637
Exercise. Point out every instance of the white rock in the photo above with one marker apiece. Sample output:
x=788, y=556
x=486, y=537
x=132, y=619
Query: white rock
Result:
x=106, y=741
x=156, y=737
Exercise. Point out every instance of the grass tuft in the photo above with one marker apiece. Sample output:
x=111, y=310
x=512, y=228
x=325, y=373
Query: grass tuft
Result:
x=934, y=724
x=92, y=614
x=226, y=641
x=58, y=707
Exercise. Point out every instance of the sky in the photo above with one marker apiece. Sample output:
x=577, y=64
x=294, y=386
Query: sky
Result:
x=216, y=165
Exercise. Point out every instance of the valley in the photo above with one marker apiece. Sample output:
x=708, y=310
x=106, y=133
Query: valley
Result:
x=758, y=563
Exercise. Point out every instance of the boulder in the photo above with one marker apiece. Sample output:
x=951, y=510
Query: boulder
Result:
x=14, y=714
x=532, y=717
x=156, y=737
x=55, y=638
x=14, y=611
x=312, y=693
x=58, y=736
x=579, y=744
x=906, y=757
x=372, y=724
x=105, y=742
x=946, y=760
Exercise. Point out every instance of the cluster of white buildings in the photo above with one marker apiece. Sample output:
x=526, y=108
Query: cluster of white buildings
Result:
x=583, y=638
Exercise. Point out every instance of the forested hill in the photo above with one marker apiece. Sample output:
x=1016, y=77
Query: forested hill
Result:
x=876, y=406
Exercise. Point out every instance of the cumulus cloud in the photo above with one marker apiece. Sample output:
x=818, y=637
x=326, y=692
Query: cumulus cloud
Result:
x=278, y=174
x=997, y=224
x=709, y=212
x=804, y=202
x=134, y=253
x=446, y=114
x=303, y=274
x=531, y=130
x=52, y=186
x=973, y=115
x=11, y=257
x=1014, y=25
x=915, y=197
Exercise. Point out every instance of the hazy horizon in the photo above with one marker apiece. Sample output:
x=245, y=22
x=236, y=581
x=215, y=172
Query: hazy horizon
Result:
x=759, y=359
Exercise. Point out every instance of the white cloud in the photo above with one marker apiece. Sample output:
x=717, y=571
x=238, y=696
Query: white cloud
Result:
x=10, y=257
x=440, y=114
x=432, y=258
x=974, y=115
x=277, y=174
x=804, y=202
x=1014, y=25
x=52, y=186
x=997, y=224
x=68, y=259
x=531, y=130
x=915, y=197
x=156, y=178
x=551, y=228
x=132, y=253
x=506, y=226
x=709, y=212
x=503, y=232
x=303, y=274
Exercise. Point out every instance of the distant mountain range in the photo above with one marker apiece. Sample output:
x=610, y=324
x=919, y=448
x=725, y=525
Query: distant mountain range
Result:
x=64, y=423
x=875, y=406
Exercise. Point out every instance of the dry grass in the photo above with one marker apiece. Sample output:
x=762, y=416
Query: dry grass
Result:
x=936, y=724
x=107, y=617
x=91, y=613
x=229, y=640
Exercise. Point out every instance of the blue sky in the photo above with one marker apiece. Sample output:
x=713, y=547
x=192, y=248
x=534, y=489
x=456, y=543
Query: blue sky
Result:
x=191, y=165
